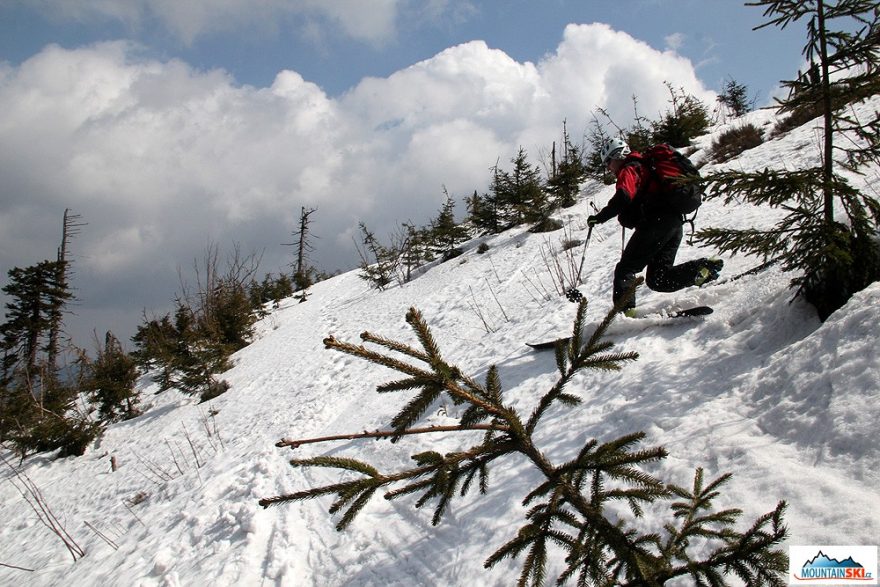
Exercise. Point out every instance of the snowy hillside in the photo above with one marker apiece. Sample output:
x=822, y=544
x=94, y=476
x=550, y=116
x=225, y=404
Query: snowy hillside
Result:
x=760, y=388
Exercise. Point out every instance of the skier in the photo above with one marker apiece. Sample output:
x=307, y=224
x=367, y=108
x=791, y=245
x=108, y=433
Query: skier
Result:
x=658, y=232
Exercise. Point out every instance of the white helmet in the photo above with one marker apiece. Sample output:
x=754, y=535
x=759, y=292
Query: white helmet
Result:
x=614, y=149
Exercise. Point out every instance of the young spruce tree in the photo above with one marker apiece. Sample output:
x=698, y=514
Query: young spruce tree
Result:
x=518, y=197
x=566, y=174
x=735, y=97
x=828, y=236
x=379, y=264
x=112, y=377
x=446, y=234
x=569, y=508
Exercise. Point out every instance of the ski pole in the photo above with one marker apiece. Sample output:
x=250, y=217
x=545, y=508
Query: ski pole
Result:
x=586, y=243
x=583, y=255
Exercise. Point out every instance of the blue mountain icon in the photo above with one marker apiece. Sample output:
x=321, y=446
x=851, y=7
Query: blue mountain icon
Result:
x=822, y=560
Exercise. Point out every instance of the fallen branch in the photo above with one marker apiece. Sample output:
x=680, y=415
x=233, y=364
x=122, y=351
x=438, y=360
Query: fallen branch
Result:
x=16, y=568
x=102, y=536
x=34, y=498
x=128, y=507
x=294, y=444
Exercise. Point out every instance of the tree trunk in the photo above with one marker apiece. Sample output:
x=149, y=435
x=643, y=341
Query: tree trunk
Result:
x=828, y=161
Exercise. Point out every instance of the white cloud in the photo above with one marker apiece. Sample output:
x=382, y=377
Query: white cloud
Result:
x=371, y=22
x=675, y=41
x=596, y=66
x=160, y=158
x=470, y=80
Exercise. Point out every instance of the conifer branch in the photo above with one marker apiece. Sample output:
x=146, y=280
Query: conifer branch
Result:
x=294, y=444
x=395, y=346
x=568, y=508
x=574, y=355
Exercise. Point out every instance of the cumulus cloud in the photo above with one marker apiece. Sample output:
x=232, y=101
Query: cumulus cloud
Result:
x=160, y=159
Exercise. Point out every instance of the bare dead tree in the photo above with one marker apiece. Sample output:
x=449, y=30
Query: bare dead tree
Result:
x=302, y=242
x=212, y=283
x=70, y=229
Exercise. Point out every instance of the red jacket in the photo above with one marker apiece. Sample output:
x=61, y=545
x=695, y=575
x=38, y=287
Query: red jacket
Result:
x=635, y=184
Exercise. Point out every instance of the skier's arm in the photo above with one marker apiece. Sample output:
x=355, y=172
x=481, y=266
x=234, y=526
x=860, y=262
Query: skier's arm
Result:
x=627, y=185
x=612, y=209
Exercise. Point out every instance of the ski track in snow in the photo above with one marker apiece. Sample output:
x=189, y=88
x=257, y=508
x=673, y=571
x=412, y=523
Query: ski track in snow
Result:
x=759, y=388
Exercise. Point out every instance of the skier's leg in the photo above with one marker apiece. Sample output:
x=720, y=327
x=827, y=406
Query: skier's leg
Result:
x=664, y=276
x=638, y=252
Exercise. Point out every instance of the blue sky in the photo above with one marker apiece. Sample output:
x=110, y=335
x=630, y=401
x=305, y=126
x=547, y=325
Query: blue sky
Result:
x=716, y=35
x=171, y=125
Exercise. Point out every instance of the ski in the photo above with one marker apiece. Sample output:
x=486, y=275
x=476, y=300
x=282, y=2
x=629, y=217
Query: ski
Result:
x=686, y=313
x=695, y=311
x=549, y=344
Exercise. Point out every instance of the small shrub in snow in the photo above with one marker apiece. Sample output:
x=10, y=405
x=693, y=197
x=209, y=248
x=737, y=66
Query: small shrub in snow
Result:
x=569, y=244
x=546, y=225
x=213, y=389
x=731, y=143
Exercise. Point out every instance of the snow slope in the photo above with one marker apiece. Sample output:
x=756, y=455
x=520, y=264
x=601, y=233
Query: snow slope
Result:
x=759, y=388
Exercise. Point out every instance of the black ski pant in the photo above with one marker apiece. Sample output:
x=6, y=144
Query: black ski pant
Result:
x=654, y=246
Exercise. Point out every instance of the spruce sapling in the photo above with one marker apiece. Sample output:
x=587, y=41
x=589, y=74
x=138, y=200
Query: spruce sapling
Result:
x=568, y=509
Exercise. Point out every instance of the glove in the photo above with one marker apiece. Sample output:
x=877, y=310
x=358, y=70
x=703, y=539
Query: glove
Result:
x=592, y=221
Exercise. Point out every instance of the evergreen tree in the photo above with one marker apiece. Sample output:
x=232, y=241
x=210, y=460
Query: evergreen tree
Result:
x=113, y=375
x=221, y=311
x=687, y=119
x=415, y=249
x=524, y=193
x=481, y=213
x=566, y=176
x=156, y=343
x=735, y=97
x=500, y=200
x=572, y=507
x=183, y=352
x=208, y=326
x=199, y=354
x=38, y=297
x=833, y=251
x=39, y=410
x=17, y=409
x=379, y=263
x=271, y=289
x=516, y=197
x=497, y=201
x=640, y=135
x=597, y=138
x=446, y=234
x=230, y=318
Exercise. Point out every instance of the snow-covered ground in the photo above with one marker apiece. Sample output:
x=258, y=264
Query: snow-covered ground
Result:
x=760, y=388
